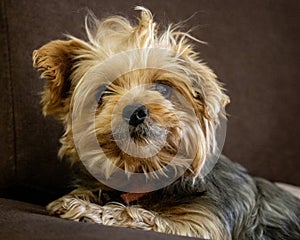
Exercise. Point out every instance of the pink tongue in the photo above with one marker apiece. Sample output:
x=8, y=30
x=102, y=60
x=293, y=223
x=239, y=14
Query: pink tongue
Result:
x=132, y=196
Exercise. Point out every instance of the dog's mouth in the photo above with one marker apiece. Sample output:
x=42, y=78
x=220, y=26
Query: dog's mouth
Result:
x=143, y=140
x=142, y=134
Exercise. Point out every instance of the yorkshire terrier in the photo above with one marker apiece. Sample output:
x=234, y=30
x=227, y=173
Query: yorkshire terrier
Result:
x=140, y=112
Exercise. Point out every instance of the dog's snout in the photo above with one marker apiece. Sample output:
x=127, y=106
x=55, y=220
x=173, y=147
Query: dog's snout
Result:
x=135, y=114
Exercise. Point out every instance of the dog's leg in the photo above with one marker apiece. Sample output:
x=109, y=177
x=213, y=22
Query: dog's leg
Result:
x=77, y=205
x=116, y=214
x=179, y=221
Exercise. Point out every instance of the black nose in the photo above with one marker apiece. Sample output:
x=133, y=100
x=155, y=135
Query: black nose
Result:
x=135, y=114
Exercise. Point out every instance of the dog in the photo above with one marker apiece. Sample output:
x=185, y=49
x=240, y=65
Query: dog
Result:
x=140, y=112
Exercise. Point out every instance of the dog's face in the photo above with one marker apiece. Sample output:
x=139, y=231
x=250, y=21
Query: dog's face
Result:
x=144, y=96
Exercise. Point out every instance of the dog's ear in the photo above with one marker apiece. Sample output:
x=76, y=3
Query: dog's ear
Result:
x=55, y=61
x=209, y=93
x=210, y=100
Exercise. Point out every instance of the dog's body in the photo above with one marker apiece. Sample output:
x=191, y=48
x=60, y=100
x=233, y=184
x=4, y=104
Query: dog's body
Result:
x=227, y=204
x=155, y=87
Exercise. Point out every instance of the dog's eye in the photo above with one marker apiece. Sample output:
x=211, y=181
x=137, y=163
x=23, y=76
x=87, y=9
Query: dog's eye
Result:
x=100, y=93
x=163, y=89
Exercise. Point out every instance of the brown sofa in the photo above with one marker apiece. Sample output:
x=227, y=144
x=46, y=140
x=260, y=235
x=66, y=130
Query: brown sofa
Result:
x=253, y=46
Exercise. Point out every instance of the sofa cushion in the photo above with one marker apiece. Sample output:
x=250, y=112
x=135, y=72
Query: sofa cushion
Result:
x=20, y=220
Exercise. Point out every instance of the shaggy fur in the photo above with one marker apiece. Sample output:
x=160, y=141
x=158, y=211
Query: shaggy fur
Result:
x=181, y=104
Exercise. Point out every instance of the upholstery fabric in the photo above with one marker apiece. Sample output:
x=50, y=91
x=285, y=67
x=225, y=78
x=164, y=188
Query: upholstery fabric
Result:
x=19, y=220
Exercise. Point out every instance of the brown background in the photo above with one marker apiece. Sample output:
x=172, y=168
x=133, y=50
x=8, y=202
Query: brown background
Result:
x=253, y=47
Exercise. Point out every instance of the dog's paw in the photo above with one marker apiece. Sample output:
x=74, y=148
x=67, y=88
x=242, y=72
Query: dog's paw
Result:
x=59, y=206
x=115, y=214
x=76, y=209
x=112, y=214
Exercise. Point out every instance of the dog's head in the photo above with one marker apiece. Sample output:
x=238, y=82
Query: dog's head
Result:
x=142, y=95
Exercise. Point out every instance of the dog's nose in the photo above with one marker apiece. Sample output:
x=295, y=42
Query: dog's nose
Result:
x=135, y=114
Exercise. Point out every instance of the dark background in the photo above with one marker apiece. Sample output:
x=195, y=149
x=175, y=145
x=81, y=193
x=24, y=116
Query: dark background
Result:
x=253, y=46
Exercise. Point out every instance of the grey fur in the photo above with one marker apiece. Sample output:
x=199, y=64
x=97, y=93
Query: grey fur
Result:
x=250, y=208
